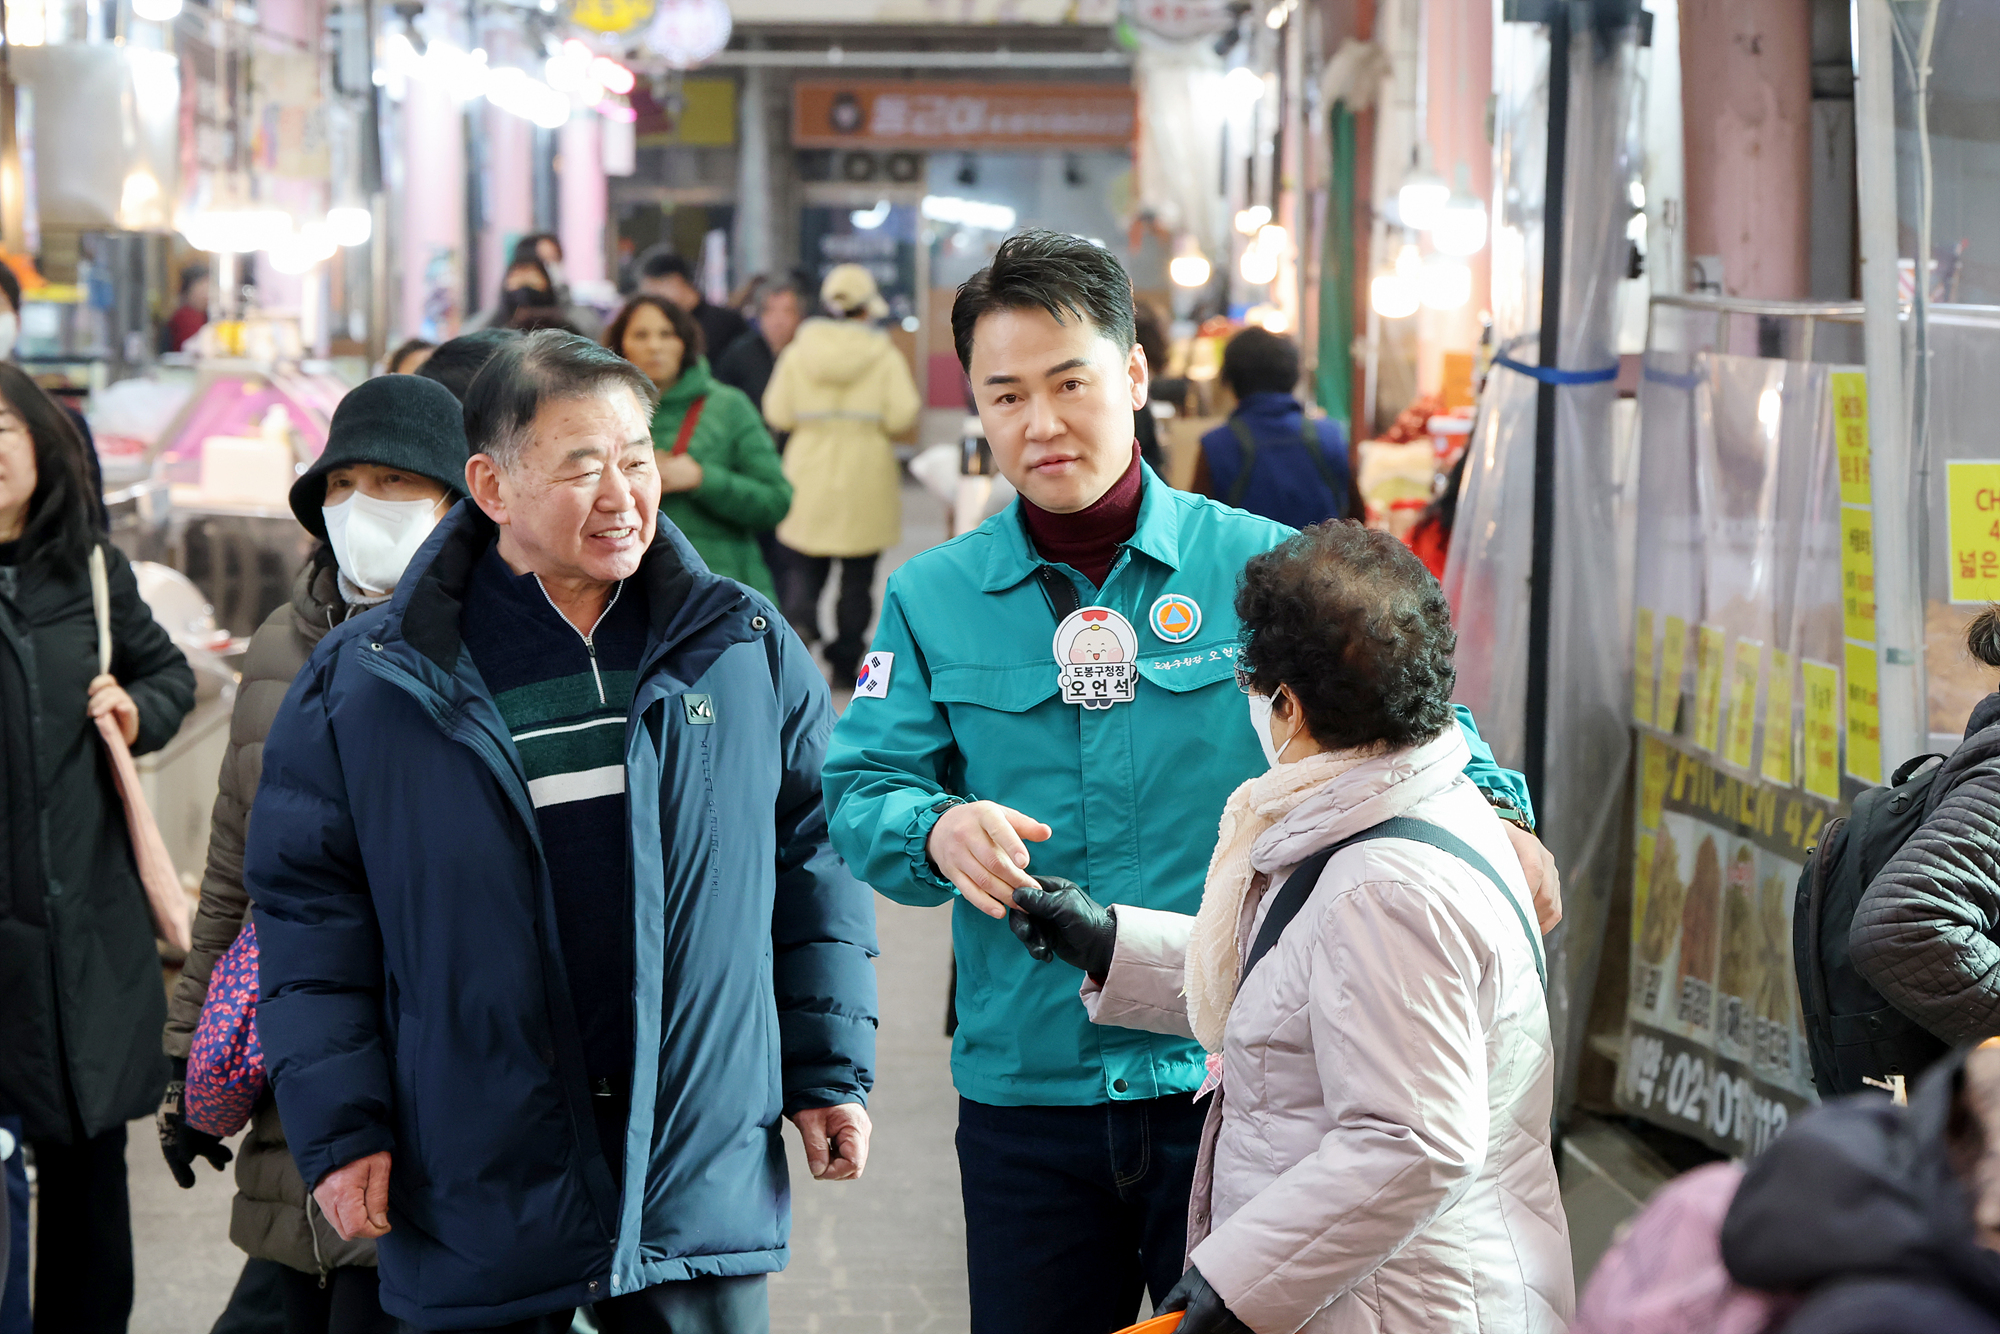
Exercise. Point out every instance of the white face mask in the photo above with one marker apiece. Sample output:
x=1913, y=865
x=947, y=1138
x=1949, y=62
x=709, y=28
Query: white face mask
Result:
x=373, y=540
x=10, y=332
x=1260, y=719
x=557, y=278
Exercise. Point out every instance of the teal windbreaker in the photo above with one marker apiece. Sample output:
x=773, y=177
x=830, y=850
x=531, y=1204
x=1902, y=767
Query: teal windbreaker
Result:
x=960, y=700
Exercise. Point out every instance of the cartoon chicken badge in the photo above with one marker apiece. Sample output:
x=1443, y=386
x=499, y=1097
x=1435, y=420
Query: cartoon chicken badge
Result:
x=1095, y=652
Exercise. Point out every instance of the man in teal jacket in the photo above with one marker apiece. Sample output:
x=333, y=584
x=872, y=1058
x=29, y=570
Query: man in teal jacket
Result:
x=1063, y=675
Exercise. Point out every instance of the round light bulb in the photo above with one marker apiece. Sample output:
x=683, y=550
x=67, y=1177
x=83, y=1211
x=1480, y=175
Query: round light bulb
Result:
x=157, y=11
x=1244, y=86
x=1393, y=296
x=1461, y=227
x=1446, y=284
x=1259, y=267
x=1422, y=199
x=1189, y=271
x=350, y=226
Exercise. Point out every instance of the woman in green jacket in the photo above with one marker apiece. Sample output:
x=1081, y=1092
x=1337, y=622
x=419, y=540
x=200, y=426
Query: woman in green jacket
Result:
x=720, y=478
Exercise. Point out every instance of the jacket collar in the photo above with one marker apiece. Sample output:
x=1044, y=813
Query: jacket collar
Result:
x=1377, y=789
x=680, y=591
x=695, y=381
x=1013, y=557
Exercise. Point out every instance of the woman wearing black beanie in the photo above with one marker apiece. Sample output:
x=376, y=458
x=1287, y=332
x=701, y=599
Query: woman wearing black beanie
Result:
x=394, y=463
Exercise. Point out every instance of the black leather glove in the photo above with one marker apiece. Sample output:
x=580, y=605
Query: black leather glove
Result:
x=1060, y=921
x=1206, y=1312
x=181, y=1144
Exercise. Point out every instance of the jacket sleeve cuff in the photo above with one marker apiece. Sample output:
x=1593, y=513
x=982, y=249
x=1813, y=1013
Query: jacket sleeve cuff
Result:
x=1144, y=988
x=917, y=845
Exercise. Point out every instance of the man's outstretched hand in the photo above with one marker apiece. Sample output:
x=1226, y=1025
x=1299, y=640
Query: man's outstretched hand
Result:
x=977, y=846
x=355, y=1198
x=836, y=1140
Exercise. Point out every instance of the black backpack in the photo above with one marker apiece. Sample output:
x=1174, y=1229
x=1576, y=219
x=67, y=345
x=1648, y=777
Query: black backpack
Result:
x=1854, y=1035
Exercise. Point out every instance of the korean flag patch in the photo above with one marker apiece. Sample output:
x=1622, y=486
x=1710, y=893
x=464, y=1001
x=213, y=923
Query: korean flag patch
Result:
x=872, y=681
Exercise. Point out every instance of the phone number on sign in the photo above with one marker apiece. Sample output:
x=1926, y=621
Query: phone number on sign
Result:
x=1690, y=1086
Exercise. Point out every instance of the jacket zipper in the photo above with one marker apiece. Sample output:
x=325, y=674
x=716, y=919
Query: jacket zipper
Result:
x=589, y=641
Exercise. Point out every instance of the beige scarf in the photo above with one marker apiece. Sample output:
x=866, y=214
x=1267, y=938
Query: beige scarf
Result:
x=1212, y=958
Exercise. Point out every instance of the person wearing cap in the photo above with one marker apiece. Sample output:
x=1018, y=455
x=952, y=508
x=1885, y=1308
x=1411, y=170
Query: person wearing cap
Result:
x=551, y=942
x=394, y=462
x=841, y=389
x=1055, y=693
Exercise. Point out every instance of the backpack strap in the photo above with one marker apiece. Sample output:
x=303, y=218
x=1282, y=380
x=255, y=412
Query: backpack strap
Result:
x=1299, y=887
x=1316, y=451
x=1241, y=486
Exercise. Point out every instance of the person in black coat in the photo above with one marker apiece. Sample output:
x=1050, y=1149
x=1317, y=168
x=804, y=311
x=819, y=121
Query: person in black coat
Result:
x=80, y=993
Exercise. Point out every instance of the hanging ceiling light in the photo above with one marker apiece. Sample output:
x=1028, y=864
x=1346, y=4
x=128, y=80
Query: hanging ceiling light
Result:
x=1189, y=267
x=1250, y=219
x=350, y=226
x=1423, y=195
x=157, y=11
x=1394, y=294
x=1445, y=283
x=1258, y=267
x=1243, y=86
x=1461, y=224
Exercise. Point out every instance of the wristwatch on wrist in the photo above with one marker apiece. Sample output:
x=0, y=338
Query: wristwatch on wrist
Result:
x=1508, y=811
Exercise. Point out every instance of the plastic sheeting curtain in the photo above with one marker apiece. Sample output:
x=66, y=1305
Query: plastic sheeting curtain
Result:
x=1180, y=144
x=1486, y=579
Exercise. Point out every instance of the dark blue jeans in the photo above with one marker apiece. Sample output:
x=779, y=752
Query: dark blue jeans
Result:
x=1070, y=1212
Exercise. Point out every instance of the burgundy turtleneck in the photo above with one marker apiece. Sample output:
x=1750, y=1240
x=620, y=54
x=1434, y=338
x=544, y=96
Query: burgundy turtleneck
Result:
x=1088, y=540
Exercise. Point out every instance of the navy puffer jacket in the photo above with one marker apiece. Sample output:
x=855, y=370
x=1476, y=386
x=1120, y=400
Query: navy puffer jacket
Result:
x=414, y=995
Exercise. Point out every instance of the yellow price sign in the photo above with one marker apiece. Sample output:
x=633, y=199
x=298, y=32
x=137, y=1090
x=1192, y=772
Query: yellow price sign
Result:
x=1653, y=780
x=1644, y=706
x=1857, y=572
x=1864, y=714
x=610, y=15
x=1822, y=720
x=1972, y=488
x=1673, y=661
x=1708, y=687
x=1775, y=760
x=1850, y=435
x=1743, y=701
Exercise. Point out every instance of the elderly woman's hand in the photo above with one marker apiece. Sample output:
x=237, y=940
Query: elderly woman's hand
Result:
x=1207, y=1313
x=1544, y=881
x=107, y=696
x=1057, y=919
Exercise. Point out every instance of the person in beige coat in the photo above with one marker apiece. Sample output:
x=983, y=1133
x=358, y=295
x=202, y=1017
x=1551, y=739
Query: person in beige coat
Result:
x=1377, y=1158
x=842, y=389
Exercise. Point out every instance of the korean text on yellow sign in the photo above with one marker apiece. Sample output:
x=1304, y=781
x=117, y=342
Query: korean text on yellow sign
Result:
x=1864, y=714
x=1822, y=728
x=1775, y=762
x=1708, y=687
x=1673, y=660
x=1850, y=435
x=1972, y=488
x=1857, y=572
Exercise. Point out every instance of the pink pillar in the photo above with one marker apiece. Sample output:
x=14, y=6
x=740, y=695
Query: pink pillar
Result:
x=583, y=198
x=433, y=219
x=1746, y=98
x=1458, y=80
x=510, y=191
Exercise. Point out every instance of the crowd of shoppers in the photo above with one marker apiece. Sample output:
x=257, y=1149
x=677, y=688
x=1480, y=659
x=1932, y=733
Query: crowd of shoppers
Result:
x=558, y=863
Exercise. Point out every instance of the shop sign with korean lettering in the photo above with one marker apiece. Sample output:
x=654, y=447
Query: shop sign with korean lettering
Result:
x=881, y=115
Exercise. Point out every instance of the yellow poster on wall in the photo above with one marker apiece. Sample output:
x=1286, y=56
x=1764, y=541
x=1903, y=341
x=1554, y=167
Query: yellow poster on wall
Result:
x=1708, y=687
x=1822, y=723
x=1850, y=435
x=1673, y=661
x=1857, y=572
x=1973, y=491
x=1774, y=761
x=1864, y=715
x=1743, y=701
x=1644, y=706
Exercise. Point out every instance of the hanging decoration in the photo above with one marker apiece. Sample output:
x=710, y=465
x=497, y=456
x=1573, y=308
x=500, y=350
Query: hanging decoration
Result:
x=685, y=33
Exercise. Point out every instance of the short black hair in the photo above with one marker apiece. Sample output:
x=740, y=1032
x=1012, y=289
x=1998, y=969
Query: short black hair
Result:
x=407, y=348
x=529, y=246
x=684, y=325
x=1052, y=271
x=10, y=283
x=535, y=368
x=1350, y=619
x=64, y=515
x=661, y=263
x=458, y=359
x=192, y=274
x=1257, y=361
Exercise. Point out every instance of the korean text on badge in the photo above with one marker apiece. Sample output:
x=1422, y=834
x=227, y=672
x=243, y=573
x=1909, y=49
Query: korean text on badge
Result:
x=1095, y=649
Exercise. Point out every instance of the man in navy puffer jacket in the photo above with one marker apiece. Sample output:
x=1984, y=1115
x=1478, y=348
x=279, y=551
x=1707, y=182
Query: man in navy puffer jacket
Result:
x=551, y=934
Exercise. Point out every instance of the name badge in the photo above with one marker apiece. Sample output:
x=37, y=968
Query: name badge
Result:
x=1095, y=651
